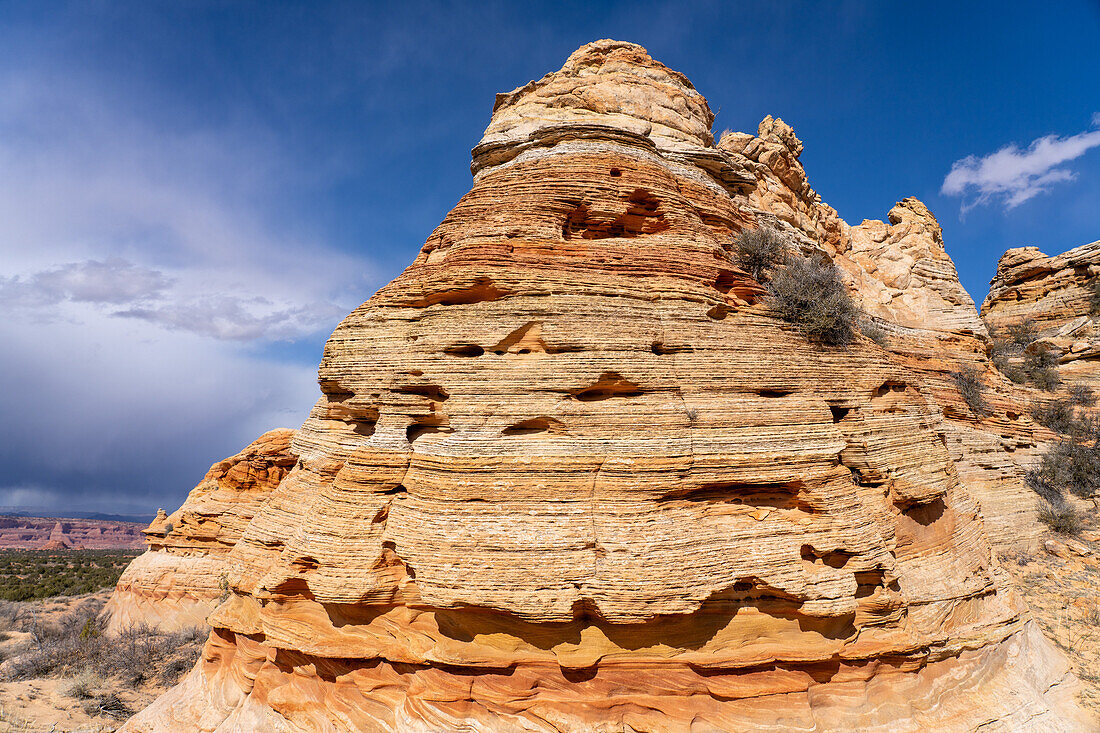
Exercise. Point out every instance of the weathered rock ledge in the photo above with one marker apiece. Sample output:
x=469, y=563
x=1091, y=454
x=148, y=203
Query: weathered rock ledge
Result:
x=1056, y=295
x=182, y=577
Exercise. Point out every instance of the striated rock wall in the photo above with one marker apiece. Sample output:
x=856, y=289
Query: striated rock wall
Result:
x=182, y=576
x=901, y=275
x=566, y=474
x=1055, y=294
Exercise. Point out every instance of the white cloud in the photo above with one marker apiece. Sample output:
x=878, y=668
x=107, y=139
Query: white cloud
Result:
x=232, y=318
x=1013, y=175
x=114, y=281
x=190, y=229
x=145, y=271
x=122, y=289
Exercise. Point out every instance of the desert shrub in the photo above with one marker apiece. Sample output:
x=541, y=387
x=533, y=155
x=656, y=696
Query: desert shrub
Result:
x=76, y=643
x=1060, y=517
x=1040, y=480
x=1078, y=467
x=1023, y=333
x=1081, y=394
x=810, y=294
x=970, y=385
x=1002, y=355
x=1011, y=370
x=9, y=615
x=872, y=330
x=1069, y=466
x=174, y=669
x=1013, y=357
x=32, y=574
x=82, y=687
x=1040, y=366
x=110, y=705
x=759, y=251
x=1058, y=415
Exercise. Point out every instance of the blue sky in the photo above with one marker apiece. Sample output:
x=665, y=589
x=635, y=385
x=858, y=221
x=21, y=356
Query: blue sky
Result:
x=192, y=194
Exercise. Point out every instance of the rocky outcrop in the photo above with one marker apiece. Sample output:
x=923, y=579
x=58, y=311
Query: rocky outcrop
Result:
x=566, y=474
x=1055, y=294
x=49, y=533
x=901, y=275
x=182, y=576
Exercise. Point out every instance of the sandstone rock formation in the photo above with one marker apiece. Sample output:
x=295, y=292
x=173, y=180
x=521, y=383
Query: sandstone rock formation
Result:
x=32, y=533
x=566, y=474
x=182, y=576
x=901, y=275
x=1056, y=295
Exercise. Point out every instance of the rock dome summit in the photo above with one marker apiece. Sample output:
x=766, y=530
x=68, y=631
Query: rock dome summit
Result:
x=566, y=473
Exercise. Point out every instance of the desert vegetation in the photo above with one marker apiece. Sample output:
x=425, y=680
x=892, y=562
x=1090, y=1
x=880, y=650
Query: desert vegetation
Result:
x=97, y=670
x=1094, y=298
x=1019, y=357
x=969, y=381
x=34, y=574
x=759, y=251
x=1081, y=395
x=806, y=291
x=1071, y=467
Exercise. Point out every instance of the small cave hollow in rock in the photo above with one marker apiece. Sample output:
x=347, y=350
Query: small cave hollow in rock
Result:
x=642, y=217
x=535, y=426
x=464, y=350
x=609, y=385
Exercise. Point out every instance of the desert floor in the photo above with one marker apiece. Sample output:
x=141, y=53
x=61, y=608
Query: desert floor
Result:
x=116, y=677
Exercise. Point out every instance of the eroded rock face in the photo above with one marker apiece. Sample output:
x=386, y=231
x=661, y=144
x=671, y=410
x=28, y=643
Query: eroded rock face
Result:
x=566, y=474
x=901, y=275
x=1055, y=294
x=182, y=577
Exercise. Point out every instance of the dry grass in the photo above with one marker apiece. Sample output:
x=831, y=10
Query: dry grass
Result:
x=1060, y=517
x=970, y=385
x=1081, y=394
x=75, y=644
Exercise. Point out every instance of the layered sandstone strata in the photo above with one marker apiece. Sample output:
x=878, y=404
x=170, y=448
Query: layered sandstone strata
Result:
x=182, y=576
x=566, y=474
x=901, y=275
x=1056, y=295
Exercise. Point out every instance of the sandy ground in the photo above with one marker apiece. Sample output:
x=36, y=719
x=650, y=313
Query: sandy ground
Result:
x=40, y=705
x=48, y=705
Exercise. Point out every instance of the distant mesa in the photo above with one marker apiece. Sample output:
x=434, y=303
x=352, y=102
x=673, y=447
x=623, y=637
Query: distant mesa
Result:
x=50, y=533
x=566, y=472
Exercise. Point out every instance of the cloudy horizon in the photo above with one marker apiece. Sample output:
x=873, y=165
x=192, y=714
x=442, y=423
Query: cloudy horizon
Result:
x=193, y=197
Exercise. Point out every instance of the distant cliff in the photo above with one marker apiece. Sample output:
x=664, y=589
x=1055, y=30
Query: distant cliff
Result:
x=35, y=533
